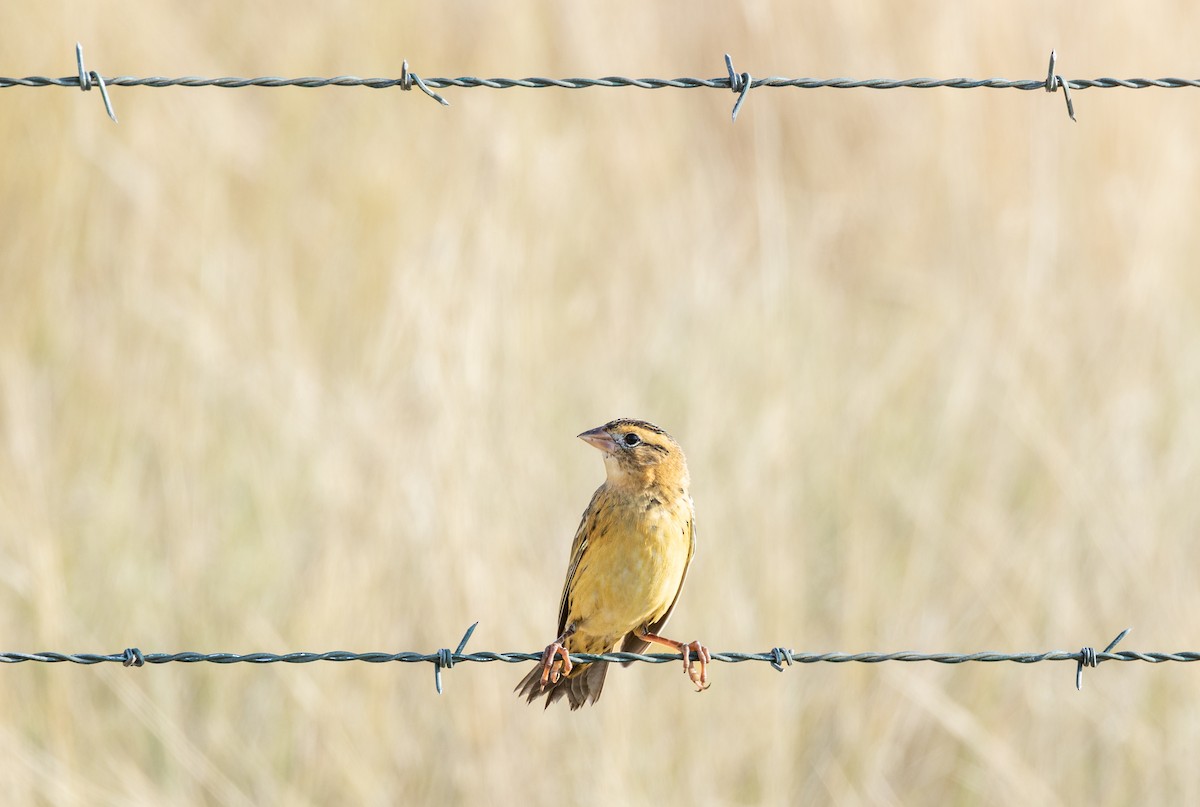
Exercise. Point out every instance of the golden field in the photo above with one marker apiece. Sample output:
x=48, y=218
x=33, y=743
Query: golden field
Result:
x=301, y=369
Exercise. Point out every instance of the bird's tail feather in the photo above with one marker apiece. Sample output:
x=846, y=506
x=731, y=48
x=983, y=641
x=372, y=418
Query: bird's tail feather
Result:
x=582, y=686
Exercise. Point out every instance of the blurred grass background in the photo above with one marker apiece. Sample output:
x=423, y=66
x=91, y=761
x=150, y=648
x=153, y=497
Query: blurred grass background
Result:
x=302, y=369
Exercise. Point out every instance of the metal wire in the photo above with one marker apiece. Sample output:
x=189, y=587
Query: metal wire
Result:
x=739, y=83
x=789, y=657
x=537, y=83
x=777, y=657
x=772, y=656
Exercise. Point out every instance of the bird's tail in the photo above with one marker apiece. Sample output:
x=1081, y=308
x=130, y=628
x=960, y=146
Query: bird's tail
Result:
x=582, y=686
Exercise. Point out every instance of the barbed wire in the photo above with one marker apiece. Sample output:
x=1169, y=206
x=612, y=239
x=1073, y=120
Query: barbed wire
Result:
x=777, y=657
x=739, y=83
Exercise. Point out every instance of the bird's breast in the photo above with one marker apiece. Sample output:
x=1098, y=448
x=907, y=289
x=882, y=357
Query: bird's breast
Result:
x=635, y=564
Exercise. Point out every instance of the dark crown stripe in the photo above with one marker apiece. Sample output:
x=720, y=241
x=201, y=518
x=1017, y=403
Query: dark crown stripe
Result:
x=641, y=424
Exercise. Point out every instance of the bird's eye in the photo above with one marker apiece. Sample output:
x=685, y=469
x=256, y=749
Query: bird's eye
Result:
x=632, y=440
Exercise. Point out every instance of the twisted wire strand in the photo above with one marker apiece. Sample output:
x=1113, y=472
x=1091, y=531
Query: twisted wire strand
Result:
x=537, y=82
x=740, y=83
x=770, y=657
x=777, y=657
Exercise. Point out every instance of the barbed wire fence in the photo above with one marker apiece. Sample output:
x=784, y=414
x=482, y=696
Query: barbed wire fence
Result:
x=739, y=82
x=778, y=657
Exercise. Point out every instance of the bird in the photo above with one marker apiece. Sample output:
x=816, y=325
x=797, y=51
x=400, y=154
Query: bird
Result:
x=628, y=562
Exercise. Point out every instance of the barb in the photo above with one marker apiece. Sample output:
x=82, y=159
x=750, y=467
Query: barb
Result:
x=406, y=81
x=1088, y=657
x=1054, y=81
x=740, y=83
x=446, y=658
x=85, y=79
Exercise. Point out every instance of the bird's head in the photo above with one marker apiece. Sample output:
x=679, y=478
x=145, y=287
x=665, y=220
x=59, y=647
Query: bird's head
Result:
x=639, y=453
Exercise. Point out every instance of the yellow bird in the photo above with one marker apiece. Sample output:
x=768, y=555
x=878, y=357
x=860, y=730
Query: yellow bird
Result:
x=630, y=556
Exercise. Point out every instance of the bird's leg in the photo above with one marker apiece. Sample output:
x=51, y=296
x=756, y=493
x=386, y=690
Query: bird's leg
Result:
x=703, y=657
x=553, y=667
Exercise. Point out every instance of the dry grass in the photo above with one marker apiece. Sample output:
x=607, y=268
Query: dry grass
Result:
x=292, y=369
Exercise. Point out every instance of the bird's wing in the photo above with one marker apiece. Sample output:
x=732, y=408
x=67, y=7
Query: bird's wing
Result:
x=578, y=548
x=632, y=644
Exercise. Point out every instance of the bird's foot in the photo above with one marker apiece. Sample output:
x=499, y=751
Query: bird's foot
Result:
x=556, y=662
x=696, y=670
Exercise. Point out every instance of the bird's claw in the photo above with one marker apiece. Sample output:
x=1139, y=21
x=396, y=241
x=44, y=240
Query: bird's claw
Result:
x=696, y=670
x=556, y=662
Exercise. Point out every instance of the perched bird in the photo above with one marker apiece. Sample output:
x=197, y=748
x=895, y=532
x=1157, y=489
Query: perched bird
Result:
x=630, y=556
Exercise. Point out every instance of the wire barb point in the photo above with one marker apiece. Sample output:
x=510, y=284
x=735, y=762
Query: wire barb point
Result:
x=467, y=636
x=1054, y=81
x=740, y=83
x=132, y=657
x=408, y=78
x=86, y=77
x=1087, y=655
x=781, y=656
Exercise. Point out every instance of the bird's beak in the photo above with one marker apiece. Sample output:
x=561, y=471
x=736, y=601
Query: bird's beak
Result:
x=599, y=438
